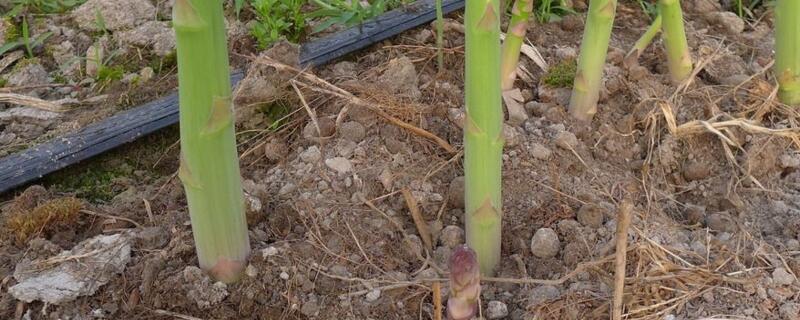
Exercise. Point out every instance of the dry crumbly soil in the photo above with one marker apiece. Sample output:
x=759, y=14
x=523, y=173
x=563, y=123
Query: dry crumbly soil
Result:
x=710, y=165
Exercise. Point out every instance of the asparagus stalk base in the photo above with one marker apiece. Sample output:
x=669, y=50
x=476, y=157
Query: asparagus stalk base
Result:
x=209, y=166
x=678, y=58
x=483, y=136
x=594, y=47
x=787, y=50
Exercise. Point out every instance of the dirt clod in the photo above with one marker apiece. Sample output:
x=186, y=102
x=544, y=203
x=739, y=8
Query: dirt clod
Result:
x=782, y=277
x=201, y=289
x=721, y=222
x=591, y=215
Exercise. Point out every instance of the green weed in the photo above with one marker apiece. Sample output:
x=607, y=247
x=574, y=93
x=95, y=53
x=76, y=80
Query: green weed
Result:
x=349, y=12
x=551, y=10
x=277, y=19
x=561, y=75
x=24, y=40
x=649, y=8
x=42, y=6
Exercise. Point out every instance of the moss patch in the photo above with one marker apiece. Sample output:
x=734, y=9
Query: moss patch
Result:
x=48, y=217
x=561, y=75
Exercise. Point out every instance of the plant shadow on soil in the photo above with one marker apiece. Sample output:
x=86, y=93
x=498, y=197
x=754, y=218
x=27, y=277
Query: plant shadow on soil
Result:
x=714, y=231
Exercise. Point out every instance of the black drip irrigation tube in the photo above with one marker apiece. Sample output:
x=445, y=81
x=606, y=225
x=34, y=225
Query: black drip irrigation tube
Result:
x=34, y=163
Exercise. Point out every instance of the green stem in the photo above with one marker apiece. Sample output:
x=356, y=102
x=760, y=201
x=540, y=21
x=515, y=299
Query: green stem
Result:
x=515, y=35
x=594, y=47
x=787, y=50
x=439, y=35
x=633, y=56
x=678, y=58
x=483, y=134
x=209, y=166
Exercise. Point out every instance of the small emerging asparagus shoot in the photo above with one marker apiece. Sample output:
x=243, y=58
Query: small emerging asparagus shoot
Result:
x=787, y=50
x=515, y=35
x=678, y=58
x=483, y=132
x=209, y=166
x=465, y=284
x=632, y=58
x=594, y=47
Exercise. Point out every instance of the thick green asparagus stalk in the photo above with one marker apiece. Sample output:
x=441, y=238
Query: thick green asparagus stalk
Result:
x=680, y=62
x=515, y=35
x=787, y=50
x=594, y=46
x=209, y=166
x=483, y=133
x=632, y=58
x=465, y=284
x=439, y=35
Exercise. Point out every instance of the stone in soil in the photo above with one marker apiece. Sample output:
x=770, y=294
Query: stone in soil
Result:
x=311, y=155
x=782, y=277
x=540, y=152
x=117, y=14
x=537, y=108
x=353, y=131
x=726, y=20
x=545, y=243
x=511, y=135
x=340, y=165
x=455, y=193
x=559, y=96
x=496, y=310
x=156, y=35
x=65, y=278
x=451, y=236
x=721, y=221
x=790, y=311
x=327, y=127
x=696, y=170
x=275, y=150
x=29, y=74
x=544, y=293
x=566, y=140
x=373, y=295
x=400, y=78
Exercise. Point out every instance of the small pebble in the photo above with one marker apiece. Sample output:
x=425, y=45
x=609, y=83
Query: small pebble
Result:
x=540, y=152
x=284, y=276
x=545, y=243
x=311, y=155
x=373, y=295
x=782, y=277
x=566, y=140
x=339, y=164
x=268, y=252
x=496, y=310
x=451, y=236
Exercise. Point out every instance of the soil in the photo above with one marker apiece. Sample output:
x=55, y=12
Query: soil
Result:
x=711, y=167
